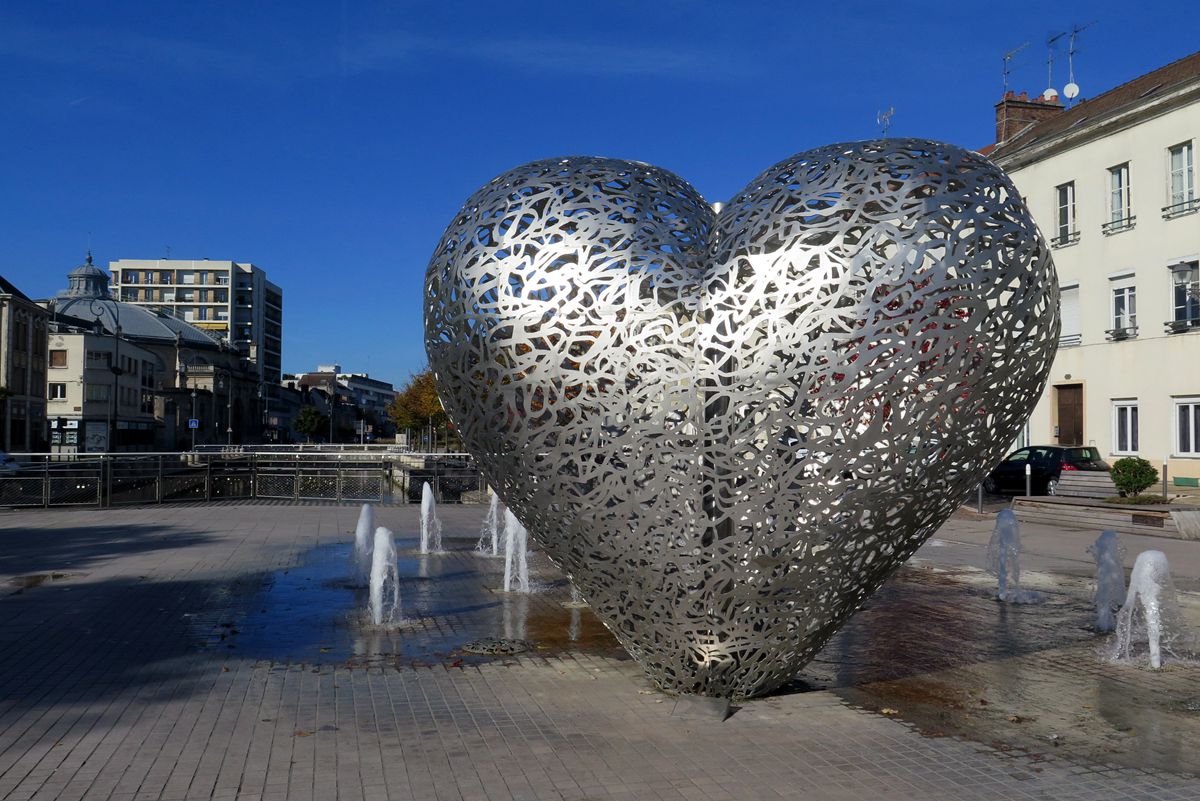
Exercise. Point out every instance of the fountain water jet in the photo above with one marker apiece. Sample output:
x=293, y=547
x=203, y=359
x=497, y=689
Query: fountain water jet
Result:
x=362, y=541
x=516, y=540
x=1110, y=578
x=1150, y=614
x=431, y=526
x=489, y=532
x=385, y=579
x=1004, y=560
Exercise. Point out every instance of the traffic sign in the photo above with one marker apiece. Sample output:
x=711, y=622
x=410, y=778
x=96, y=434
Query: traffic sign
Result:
x=193, y=422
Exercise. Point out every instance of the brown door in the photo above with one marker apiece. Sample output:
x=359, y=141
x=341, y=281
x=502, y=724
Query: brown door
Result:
x=1070, y=414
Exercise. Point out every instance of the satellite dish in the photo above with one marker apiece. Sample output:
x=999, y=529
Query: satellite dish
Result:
x=1071, y=91
x=1050, y=94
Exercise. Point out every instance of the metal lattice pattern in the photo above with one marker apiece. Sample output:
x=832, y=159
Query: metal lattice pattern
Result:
x=731, y=427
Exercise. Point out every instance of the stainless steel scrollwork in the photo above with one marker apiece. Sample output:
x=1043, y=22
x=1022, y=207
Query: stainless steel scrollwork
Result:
x=730, y=427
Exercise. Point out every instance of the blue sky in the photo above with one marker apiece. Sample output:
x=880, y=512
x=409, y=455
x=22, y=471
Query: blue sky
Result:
x=330, y=144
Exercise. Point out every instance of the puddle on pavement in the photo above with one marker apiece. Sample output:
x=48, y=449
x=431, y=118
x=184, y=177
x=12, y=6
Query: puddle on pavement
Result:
x=21, y=583
x=315, y=613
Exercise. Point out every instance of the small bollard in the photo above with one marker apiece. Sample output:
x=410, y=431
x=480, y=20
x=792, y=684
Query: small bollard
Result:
x=1028, y=480
x=1164, y=478
x=979, y=499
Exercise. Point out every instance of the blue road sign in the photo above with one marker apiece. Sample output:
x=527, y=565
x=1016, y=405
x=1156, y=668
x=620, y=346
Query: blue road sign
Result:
x=193, y=422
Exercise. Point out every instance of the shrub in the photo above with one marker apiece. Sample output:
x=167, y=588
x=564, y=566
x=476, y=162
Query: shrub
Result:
x=1132, y=475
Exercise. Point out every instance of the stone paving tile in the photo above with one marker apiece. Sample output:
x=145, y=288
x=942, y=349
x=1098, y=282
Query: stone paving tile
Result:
x=107, y=692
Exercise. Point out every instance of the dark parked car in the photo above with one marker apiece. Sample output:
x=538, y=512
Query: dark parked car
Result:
x=1046, y=462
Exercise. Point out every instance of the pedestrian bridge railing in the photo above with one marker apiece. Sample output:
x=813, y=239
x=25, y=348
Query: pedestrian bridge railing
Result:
x=115, y=479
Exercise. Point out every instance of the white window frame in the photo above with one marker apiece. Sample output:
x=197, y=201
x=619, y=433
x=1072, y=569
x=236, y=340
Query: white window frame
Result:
x=1119, y=199
x=1192, y=404
x=1069, y=338
x=56, y=391
x=1127, y=408
x=1186, y=171
x=1194, y=284
x=1064, y=221
x=1126, y=290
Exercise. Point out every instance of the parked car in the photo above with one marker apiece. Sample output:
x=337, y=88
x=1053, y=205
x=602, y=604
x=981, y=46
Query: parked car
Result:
x=8, y=465
x=1047, y=464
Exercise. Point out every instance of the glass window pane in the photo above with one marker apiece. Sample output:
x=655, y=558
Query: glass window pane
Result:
x=1133, y=428
x=1185, y=434
x=1122, y=428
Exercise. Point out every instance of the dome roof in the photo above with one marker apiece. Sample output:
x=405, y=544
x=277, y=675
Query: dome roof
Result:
x=136, y=322
x=86, y=280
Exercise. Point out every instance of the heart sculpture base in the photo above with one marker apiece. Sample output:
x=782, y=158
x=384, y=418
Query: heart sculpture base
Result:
x=730, y=427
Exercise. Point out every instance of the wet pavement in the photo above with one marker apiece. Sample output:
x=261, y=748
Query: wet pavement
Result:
x=315, y=613
x=222, y=653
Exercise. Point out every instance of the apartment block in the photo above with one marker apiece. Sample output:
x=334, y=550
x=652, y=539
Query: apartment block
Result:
x=232, y=300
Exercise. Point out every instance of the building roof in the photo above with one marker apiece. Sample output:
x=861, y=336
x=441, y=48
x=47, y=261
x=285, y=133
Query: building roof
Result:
x=1142, y=89
x=8, y=288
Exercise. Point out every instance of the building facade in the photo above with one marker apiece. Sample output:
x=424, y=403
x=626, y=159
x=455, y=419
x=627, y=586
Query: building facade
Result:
x=127, y=377
x=1112, y=184
x=232, y=300
x=22, y=371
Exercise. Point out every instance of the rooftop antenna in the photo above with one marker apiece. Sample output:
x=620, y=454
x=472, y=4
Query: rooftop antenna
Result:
x=1008, y=57
x=1051, y=93
x=884, y=119
x=1071, y=90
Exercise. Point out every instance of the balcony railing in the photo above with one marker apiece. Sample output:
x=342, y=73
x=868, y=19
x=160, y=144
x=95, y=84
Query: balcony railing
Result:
x=1065, y=240
x=1181, y=325
x=1069, y=340
x=1117, y=226
x=1181, y=208
x=1123, y=332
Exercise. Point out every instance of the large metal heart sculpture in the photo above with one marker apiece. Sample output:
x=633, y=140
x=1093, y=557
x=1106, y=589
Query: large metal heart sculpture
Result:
x=729, y=427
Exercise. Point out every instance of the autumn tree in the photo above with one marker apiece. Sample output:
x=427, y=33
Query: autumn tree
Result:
x=418, y=407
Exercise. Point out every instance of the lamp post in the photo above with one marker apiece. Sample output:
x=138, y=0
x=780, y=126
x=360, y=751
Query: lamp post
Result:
x=264, y=398
x=96, y=307
x=332, y=408
x=193, y=417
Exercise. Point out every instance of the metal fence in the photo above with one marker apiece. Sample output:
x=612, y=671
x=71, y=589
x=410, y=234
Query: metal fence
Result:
x=119, y=479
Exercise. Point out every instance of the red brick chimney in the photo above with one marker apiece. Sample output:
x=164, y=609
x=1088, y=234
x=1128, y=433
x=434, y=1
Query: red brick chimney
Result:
x=1015, y=112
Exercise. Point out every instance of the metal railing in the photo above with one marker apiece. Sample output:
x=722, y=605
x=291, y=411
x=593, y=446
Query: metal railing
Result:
x=117, y=479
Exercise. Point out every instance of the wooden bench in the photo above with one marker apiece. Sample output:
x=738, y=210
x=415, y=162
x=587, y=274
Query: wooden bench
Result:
x=1085, y=484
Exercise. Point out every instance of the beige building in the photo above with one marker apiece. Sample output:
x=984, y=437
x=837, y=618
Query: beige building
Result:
x=1112, y=184
x=22, y=371
x=88, y=403
x=229, y=299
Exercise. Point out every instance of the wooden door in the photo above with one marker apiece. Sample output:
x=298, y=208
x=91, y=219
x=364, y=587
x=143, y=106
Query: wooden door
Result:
x=1070, y=414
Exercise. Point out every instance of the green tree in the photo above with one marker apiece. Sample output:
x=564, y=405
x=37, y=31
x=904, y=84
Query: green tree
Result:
x=1132, y=475
x=310, y=422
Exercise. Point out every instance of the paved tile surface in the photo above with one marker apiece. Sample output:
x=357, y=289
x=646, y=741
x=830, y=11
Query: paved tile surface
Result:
x=118, y=680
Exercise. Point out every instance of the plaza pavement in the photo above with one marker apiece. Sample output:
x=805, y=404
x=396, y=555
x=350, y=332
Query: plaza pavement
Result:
x=197, y=652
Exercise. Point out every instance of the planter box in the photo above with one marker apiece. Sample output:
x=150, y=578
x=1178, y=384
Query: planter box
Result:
x=1161, y=521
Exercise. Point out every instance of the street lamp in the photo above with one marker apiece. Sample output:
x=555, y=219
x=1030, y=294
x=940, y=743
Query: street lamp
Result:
x=331, y=389
x=96, y=307
x=264, y=398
